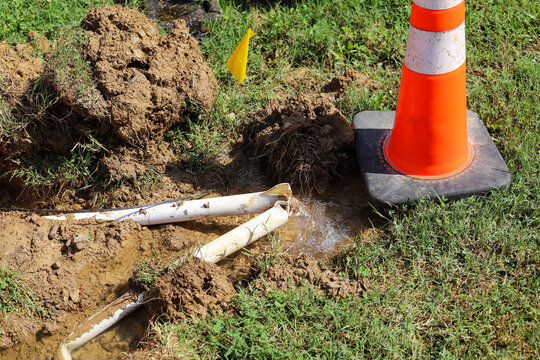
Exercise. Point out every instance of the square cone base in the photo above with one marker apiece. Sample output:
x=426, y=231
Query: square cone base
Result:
x=386, y=186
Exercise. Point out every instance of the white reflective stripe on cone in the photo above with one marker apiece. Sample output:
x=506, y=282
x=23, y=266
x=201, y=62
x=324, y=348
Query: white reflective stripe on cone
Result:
x=437, y=4
x=435, y=53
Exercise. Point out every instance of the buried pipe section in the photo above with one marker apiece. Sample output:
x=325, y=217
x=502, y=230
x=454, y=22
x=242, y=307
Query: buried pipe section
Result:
x=214, y=251
x=164, y=213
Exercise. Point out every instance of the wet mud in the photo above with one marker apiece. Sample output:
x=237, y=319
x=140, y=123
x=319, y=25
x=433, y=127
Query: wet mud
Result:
x=194, y=13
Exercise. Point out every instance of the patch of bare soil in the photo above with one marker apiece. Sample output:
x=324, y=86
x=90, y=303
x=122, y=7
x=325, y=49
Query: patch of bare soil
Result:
x=303, y=141
x=293, y=272
x=194, y=288
x=146, y=80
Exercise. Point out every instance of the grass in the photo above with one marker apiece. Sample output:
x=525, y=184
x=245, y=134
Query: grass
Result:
x=18, y=17
x=445, y=279
x=146, y=273
x=16, y=295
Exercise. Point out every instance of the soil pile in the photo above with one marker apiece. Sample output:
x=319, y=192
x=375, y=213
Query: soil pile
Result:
x=195, y=288
x=106, y=99
x=294, y=271
x=303, y=141
x=145, y=80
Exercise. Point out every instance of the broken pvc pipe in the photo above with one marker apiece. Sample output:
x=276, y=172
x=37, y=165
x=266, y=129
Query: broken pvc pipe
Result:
x=214, y=251
x=252, y=203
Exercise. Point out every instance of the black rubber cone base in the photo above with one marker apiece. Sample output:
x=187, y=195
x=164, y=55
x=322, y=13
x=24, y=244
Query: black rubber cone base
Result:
x=386, y=186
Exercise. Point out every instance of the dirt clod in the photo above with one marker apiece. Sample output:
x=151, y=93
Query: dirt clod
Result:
x=294, y=271
x=303, y=141
x=18, y=70
x=338, y=86
x=146, y=80
x=194, y=288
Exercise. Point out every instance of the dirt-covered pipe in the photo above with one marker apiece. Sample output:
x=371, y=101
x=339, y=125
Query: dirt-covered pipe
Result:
x=214, y=251
x=253, y=203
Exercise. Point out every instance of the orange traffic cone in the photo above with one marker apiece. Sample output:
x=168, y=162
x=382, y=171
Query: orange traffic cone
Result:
x=429, y=151
x=429, y=138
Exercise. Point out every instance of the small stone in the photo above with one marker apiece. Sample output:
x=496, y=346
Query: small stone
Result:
x=55, y=266
x=65, y=295
x=231, y=116
x=53, y=231
x=80, y=242
x=74, y=295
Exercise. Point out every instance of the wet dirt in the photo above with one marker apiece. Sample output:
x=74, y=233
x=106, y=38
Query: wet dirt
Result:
x=123, y=338
x=74, y=279
x=77, y=282
x=304, y=141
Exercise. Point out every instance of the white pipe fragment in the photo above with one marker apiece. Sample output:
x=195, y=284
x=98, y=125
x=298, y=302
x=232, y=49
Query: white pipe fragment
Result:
x=101, y=321
x=243, y=235
x=252, y=203
x=214, y=251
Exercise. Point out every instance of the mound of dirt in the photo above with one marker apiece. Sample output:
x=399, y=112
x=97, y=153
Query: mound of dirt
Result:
x=195, y=288
x=120, y=88
x=18, y=70
x=303, y=141
x=146, y=80
x=294, y=271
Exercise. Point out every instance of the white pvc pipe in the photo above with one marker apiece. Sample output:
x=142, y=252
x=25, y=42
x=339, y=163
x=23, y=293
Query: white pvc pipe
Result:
x=243, y=235
x=253, y=203
x=213, y=252
x=101, y=321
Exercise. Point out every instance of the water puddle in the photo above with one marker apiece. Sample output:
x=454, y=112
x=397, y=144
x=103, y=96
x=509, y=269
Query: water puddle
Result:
x=118, y=341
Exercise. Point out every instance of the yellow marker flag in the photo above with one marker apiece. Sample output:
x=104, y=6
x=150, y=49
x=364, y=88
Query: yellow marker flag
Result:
x=238, y=61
